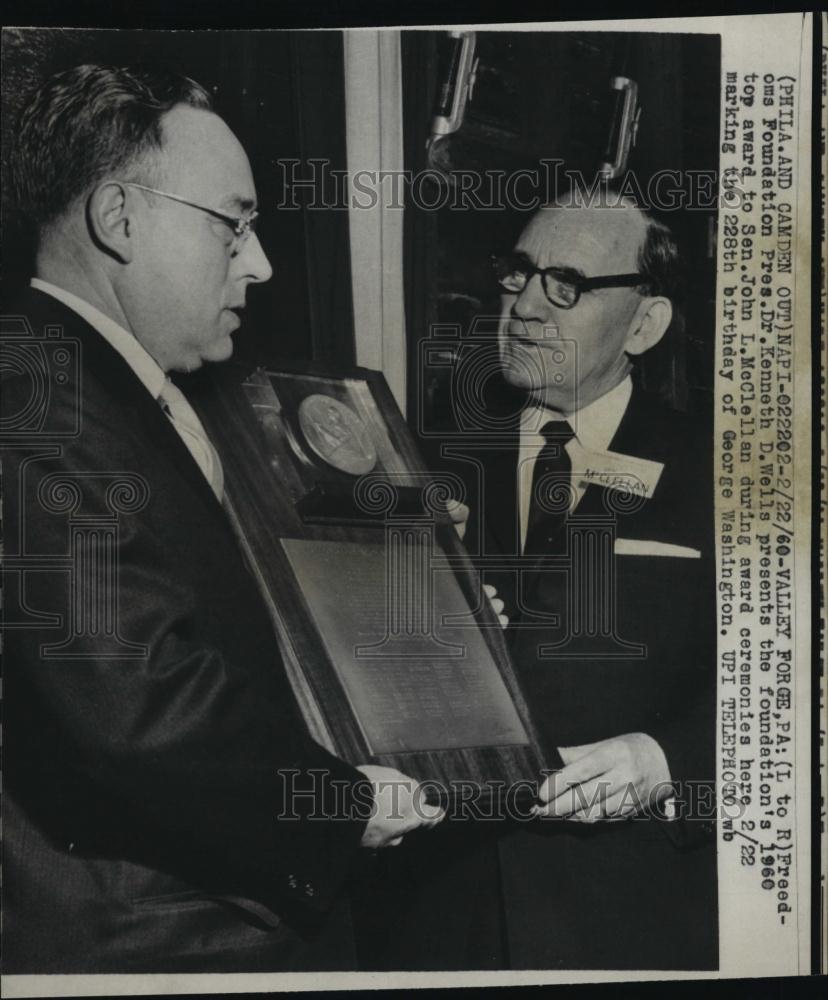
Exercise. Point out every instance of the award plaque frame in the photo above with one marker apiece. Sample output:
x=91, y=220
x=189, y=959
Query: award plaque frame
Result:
x=393, y=652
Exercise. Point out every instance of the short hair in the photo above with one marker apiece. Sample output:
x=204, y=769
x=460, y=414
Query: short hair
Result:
x=659, y=261
x=88, y=122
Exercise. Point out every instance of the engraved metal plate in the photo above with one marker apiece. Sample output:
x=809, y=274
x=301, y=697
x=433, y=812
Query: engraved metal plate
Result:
x=413, y=686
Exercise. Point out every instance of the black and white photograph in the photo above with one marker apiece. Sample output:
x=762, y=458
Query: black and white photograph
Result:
x=408, y=548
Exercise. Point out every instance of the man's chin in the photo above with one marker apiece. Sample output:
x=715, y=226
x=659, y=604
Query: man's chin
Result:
x=220, y=350
x=522, y=371
x=555, y=397
x=516, y=377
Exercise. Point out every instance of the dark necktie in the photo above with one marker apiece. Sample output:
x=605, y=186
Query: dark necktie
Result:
x=551, y=489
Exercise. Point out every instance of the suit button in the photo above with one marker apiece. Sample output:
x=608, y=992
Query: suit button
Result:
x=309, y=889
x=291, y=881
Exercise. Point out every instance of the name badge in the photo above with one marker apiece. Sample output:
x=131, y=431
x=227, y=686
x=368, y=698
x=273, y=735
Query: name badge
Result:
x=614, y=471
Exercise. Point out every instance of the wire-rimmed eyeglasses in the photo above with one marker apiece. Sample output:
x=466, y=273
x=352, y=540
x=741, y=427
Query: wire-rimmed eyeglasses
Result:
x=562, y=286
x=241, y=225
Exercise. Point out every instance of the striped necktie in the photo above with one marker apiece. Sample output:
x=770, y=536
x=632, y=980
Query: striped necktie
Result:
x=183, y=417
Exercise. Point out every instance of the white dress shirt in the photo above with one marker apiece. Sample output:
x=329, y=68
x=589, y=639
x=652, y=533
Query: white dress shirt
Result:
x=594, y=427
x=183, y=418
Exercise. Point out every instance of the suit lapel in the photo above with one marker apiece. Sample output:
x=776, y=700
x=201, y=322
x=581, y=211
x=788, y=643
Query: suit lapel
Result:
x=128, y=393
x=634, y=430
x=629, y=439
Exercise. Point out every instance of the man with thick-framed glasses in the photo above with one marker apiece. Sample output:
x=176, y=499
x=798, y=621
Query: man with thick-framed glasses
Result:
x=150, y=756
x=605, y=494
x=592, y=514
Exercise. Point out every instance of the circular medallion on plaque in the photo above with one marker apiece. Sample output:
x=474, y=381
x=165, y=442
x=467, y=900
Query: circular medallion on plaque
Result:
x=337, y=435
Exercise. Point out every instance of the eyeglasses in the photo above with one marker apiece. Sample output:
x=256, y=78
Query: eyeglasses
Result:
x=562, y=286
x=241, y=225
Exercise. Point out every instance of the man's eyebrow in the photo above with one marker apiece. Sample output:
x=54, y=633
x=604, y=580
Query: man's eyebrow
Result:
x=565, y=269
x=239, y=202
x=574, y=272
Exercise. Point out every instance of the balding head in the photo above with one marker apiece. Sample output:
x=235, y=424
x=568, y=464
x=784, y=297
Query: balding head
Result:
x=594, y=239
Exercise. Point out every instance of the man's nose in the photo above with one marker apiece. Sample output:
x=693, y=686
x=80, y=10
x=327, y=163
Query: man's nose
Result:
x=532, y=303
x=256, y=265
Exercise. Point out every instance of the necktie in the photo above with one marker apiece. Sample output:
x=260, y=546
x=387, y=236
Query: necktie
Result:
x=551, y=489
x=190, y=430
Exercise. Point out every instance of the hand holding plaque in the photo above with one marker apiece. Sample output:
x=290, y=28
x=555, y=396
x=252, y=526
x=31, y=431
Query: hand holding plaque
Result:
x=400, y=807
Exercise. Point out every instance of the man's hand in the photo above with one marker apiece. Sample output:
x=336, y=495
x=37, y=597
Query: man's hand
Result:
x=609, y=780
x=496, y=603
x=399, y=807
x=459, y=513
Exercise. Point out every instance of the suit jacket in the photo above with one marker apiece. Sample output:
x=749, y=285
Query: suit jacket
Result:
x=152, y=741
x=631, y=649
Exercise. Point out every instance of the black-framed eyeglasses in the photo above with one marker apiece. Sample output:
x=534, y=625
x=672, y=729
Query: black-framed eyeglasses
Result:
x=241, y=225
x=562, y=286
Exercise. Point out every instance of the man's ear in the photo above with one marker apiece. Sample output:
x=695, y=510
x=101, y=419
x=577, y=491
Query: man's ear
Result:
x=110, y=220
x=649, y=324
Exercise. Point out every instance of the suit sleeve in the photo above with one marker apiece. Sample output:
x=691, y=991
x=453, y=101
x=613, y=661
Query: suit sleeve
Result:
x=179, y=758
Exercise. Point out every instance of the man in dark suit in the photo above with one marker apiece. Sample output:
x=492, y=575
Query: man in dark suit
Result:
x=604, y=495
x=597, y=499
x=164, y=807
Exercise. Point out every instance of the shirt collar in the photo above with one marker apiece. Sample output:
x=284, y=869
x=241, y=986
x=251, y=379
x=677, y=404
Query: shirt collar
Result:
x=143, y=364
x=594, y=425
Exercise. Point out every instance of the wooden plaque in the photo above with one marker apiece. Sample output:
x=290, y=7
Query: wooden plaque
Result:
x=394, y=654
